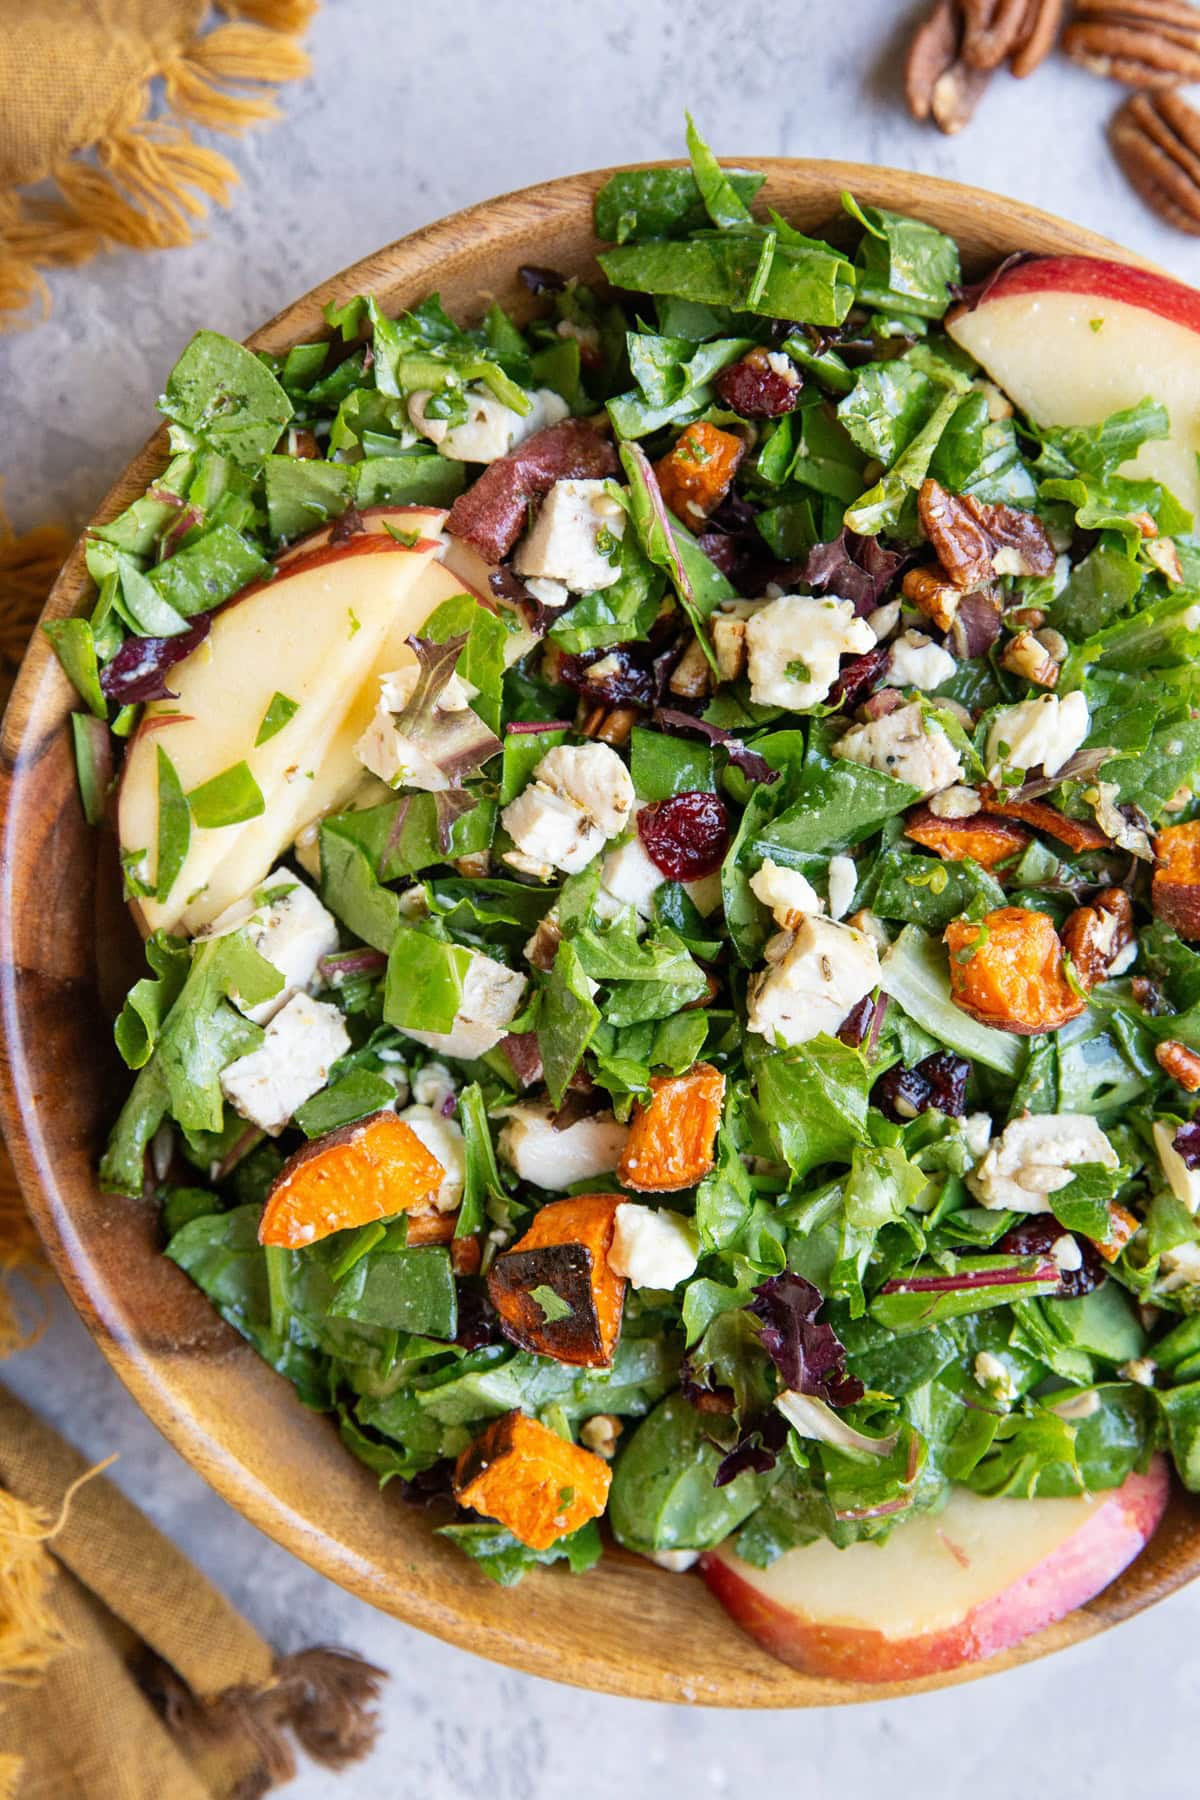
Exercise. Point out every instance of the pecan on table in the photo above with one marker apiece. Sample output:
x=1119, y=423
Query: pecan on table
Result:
x=1156, y=140
x=961, y=43
x=1145, y=43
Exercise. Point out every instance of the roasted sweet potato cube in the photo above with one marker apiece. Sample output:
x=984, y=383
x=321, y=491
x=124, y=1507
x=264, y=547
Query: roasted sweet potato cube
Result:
x=697, y=473
x=1121, y=1226
x=554, y=1290
x=1076, y=834
x=1175, y=890
x=985, y=840
x=366, y=1171
x=670, y=1142
x=1007, y=970
x=533, y=1482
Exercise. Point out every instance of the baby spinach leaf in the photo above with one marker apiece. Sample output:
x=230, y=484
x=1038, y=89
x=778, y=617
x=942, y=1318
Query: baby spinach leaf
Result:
x=636, y=204
x=226, y=396
x=425, y=979
x=229, y=798
x=662, y=1495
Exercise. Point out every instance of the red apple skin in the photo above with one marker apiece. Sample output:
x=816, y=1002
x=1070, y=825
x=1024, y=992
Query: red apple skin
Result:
x=1120, y=282
x=374, y=518
x=361, y=544
x=1072, y=1575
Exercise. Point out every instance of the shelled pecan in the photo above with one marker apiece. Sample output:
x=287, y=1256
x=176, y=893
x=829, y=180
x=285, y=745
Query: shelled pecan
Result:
x=961, y=43
x=1156, y=140
x=1145, y=43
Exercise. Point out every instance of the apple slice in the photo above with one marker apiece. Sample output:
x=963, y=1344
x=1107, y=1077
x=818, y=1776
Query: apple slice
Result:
x=946, y=1589
x=426, y=521
x=315, y=635
x=1072, y=338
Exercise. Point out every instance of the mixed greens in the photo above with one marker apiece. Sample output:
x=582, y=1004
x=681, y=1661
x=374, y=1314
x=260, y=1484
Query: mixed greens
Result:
x=871, y=663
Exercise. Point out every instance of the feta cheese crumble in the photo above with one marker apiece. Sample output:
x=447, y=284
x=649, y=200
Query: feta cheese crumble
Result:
x=795, y=646
x=444, y=1139
x=788, y=894
x=490, y=429
x=579, y=798
x=576, y=538
x=1044, y=732
x=654, y=1249
x=285, y=922
x=299, y=1047
x=916, y=661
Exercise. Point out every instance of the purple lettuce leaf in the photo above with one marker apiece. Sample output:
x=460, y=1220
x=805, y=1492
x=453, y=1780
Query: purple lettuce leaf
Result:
x=810, y=1357
x=753, y=766
x=855, y=568
x=136, y=673
x=457, y=740
x=757, y=1449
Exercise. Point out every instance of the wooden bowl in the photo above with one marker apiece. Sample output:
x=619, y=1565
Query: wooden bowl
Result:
x=627, y=1628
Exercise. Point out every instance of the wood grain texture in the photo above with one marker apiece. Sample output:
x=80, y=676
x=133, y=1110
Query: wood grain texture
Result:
x=65, y=945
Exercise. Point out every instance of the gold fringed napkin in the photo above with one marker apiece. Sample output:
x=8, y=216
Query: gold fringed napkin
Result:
x=124, y=1674
x=80, y=123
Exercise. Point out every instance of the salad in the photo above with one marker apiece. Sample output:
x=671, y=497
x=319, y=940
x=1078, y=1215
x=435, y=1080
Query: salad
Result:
x=668, y=852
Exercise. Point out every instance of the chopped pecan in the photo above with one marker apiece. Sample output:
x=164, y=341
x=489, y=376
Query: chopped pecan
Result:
x=607, y=724
x=929, y=590
x=976, y=539
x=691, y=677
x=729, y=645
x=1023, y=655
x=1156, y=140
x=1180, y=1063
x=1096, y=935
x=1164, y=554
x=1145, y=43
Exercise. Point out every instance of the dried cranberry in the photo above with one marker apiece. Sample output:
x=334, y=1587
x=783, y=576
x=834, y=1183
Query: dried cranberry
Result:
x=1186, y=1144
x=947, y=1077
x=1037, y=1234
x=857, y=1022
x=938, y=1081
x=620, y=676
x=686, y=836
x=900, y=1094
x=858, y=677
x=755, y=389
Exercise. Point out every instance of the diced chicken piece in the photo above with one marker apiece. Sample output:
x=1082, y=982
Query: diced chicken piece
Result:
x=1034, y=1157
x=300, y=1046
x=387, y=753
x=813, y=978
x=843, y=880
x=554, y=1159
x=906, y=745
x=576, y=538
x=286, y=923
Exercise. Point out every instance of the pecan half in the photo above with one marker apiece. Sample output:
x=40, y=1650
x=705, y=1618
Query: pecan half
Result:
x=1146, y=43
x=977, y=539
x=1156, y=141
x=1039, y=34
x=991, y=31
x=1023, y=655
x=1180, y=1063
x=938, y=82
x=1096, y=935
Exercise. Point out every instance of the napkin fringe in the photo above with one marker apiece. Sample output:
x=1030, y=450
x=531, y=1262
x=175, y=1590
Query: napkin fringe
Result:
x=321, y=1696
x=149, y=180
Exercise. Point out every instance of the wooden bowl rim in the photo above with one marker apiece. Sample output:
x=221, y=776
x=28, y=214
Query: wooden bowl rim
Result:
x=753, y=1679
